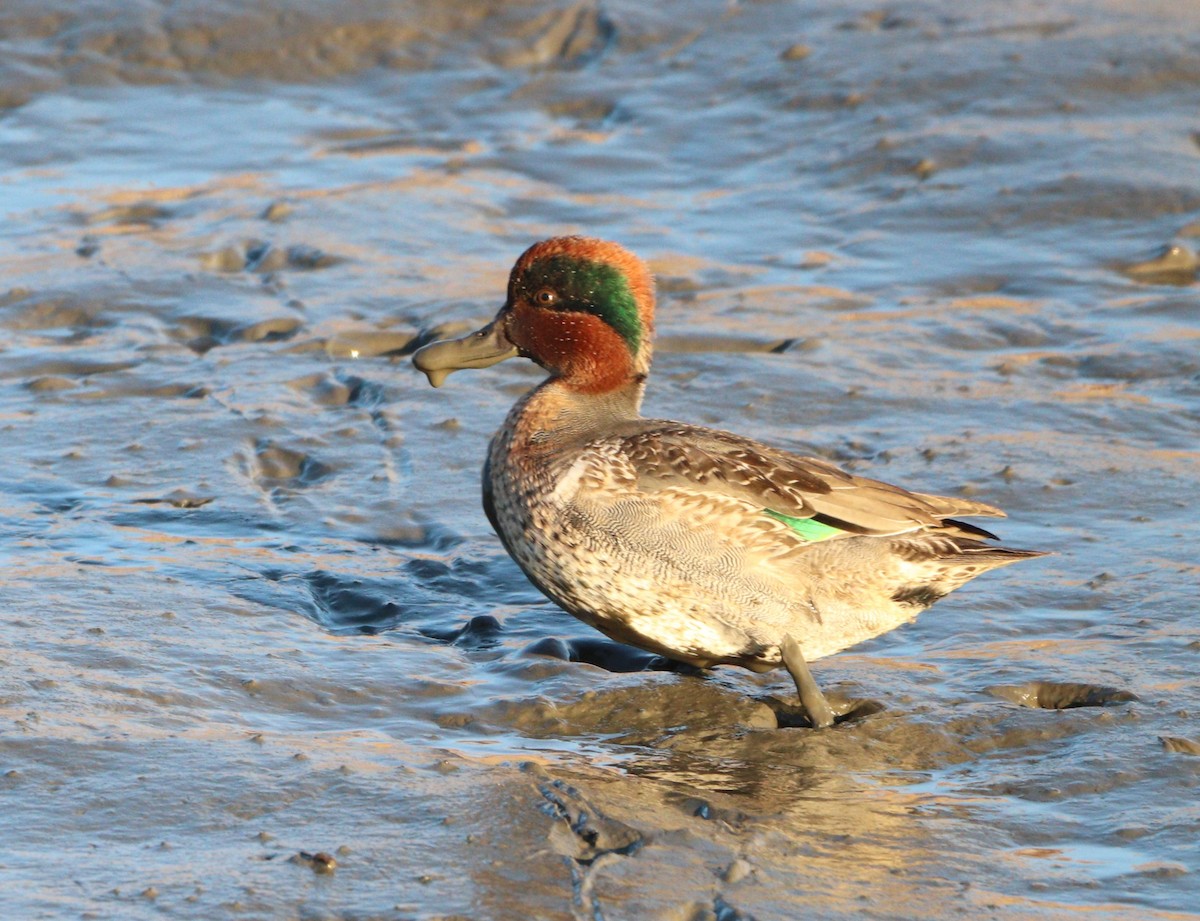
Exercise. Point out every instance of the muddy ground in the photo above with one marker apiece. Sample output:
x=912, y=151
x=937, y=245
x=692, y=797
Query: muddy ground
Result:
x=261, y=655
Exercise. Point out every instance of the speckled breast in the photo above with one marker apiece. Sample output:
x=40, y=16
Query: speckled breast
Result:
x=546, y=506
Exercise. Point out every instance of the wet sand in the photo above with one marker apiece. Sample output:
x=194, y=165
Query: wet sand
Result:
x=261, y=655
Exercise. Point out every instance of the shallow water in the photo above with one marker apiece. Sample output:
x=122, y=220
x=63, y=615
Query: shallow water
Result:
x=251, y=606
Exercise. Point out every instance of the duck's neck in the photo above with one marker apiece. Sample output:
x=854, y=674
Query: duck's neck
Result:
x=555, y=412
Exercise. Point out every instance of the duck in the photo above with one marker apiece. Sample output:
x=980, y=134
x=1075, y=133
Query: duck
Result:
x=702, y=546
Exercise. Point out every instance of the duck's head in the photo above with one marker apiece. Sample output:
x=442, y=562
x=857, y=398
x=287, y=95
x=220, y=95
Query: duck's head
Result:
x=581, y=308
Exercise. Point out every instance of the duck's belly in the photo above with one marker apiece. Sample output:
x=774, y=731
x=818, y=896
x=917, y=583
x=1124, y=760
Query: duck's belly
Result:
x=663, y=585
x=631, y=598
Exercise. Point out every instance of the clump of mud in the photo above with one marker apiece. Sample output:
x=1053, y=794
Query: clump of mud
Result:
x=1181, y=745
x=1053, y=695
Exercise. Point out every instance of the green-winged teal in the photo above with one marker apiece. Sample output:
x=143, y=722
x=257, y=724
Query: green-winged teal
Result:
x=702, y=546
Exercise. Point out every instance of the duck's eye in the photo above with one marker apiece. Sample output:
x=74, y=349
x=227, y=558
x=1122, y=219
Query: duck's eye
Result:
x=546, y=297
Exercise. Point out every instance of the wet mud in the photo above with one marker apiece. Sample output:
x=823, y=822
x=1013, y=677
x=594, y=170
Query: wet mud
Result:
x=261, y=655
x=1056, y=695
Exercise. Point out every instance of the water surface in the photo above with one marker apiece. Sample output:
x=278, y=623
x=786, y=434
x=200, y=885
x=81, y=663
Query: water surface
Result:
x=251, y=608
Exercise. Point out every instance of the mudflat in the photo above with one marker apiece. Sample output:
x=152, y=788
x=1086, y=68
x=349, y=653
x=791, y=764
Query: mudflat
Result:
x=261, y=655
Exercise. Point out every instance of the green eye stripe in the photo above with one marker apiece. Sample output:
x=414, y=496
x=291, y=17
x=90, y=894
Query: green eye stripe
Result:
x=589, y=287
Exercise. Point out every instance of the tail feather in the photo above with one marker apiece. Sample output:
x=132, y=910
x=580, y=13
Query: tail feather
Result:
x=957, y=545
x=975, y=554
x=965, y=529
x=950, y=563
x=987, y=558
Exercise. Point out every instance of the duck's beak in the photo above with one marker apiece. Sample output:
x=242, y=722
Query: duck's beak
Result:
x=479, y=349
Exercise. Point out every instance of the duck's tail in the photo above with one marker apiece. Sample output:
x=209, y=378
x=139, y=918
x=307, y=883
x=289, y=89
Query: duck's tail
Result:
x=976, y=553
x=945, y=561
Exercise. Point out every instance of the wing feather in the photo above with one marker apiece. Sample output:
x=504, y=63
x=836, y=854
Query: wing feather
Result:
x=669, y=455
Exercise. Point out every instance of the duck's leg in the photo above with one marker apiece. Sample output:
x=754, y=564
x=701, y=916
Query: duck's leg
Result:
x=811, y=698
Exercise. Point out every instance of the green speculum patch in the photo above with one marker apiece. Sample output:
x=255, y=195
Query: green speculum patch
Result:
x=589, y=287
x=806, y=527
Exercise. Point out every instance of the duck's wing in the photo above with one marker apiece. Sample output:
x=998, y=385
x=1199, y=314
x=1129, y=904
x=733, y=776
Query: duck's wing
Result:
x=816, y=499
